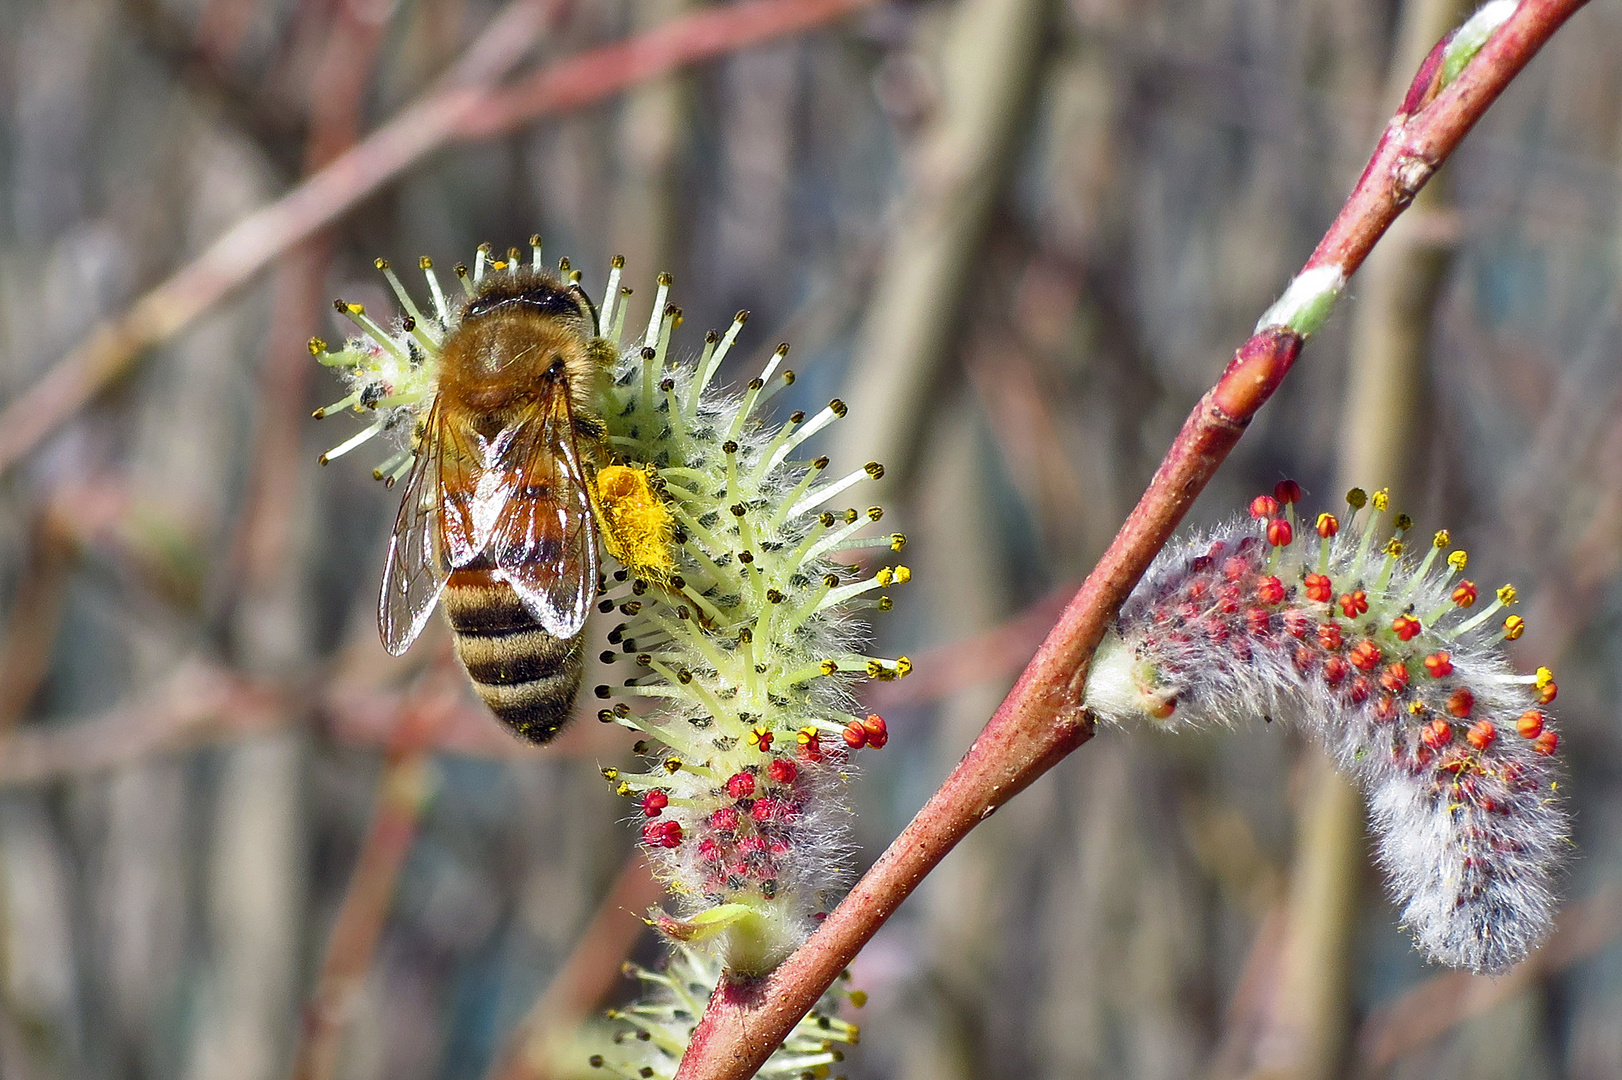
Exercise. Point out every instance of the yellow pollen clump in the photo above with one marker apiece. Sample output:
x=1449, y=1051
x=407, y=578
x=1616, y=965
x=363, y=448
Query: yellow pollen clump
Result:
x=1544, y=677
x=1506, y=594
x=1459, y=560
x=1382, y=499
x=1442, y=539
x=637, y=526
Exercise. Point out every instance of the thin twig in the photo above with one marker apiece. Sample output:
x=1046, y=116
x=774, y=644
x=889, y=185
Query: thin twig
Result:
x=465, y=105
x=1041, y=720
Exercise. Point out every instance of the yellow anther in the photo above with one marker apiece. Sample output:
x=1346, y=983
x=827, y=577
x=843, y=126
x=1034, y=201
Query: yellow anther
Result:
x=875, y=670
x=317, y=347
x=1402, y=523
x=1382, y=499
x=885, y=576
x=611, y=774
x=381, y=264
x=903, y=575
x=673, y=765
x=1506, y=595
x=1393, y=548
x=1459, y=560
x=858, y=998
x=829, y=667
x=355, y=309
x=760, y=735
x=1441, y=540
x=1544, y=677
x=1417, y=708
x=898, y=541
x=624, y=790
x=1357, y=498
x=498, y=264
x=807, y=736
x=1514, y=627
x=903, y=666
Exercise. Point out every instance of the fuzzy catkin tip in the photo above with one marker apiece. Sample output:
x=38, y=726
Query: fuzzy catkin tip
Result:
x=656, y=1030
x=734, y=610
x=1389, y=662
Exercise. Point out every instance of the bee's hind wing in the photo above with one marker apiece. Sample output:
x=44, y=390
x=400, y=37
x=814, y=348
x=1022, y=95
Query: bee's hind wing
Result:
x=418, y=562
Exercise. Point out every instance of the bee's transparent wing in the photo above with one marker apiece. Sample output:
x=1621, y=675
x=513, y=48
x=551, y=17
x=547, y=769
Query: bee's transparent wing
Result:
x=545, y=539
x=433, y=532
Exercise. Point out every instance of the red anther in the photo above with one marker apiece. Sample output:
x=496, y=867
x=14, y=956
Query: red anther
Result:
x=1216, y=630
x=1297, y=623
x=1305, y=657
x=725, y=819
x=855, y=735
x=1198, y=588
x=1335, y=670
x=1354, y=603
x=1460, y=702
x=1436, y=734
x=654, y=803
x=751, y=846
x=1329, y=636
x=1440, y=665
x=1319, y=588
x=1258, y=621
x=1235, y=568
x=1530, y=725
x=778, y=847
x=782, y=771
x=1366, y=655
x=1395, y=677
x=1359, y=691
x=1279, y=532
x=741, y=785
x=878, y=732
x=1385, y=710
x=665, y=834
x=1270, y=590
x=1546, y=742
x=1263, y=506
x=764, y=809
x=1547, y=694
x=1481, y=734
x=1406, y=626
x=709, y=849
x=1465, y=594
x=1328, y=525
x=1287, y=492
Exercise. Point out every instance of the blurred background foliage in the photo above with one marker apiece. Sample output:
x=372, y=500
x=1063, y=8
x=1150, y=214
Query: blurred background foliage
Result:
x=1020, y=238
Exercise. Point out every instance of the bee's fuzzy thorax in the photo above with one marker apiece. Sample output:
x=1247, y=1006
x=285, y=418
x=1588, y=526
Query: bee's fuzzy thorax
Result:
x=1392, y=663
x=734, y=609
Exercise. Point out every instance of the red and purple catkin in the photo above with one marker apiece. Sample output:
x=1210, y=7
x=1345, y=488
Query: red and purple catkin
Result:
x=1394, y=663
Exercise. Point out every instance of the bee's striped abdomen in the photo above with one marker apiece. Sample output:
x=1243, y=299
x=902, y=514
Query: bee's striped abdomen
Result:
x=528, y=677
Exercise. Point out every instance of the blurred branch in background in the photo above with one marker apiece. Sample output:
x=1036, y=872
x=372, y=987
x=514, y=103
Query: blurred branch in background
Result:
x=586, y=978
x=964, y=157
x=466, y=104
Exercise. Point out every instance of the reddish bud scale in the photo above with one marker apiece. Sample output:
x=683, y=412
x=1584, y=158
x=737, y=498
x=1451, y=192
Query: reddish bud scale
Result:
x=1469, y=825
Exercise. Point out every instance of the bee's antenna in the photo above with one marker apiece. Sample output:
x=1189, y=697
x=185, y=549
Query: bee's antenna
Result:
x=596, y=323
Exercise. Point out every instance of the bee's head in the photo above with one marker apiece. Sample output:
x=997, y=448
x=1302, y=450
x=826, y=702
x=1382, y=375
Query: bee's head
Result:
x=534, y=293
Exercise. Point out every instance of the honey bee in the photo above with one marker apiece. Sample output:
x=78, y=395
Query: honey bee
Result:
x=497, y=517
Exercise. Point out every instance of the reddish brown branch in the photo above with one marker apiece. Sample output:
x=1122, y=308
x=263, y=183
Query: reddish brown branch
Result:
x=466, y=105
x=1041, y=720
